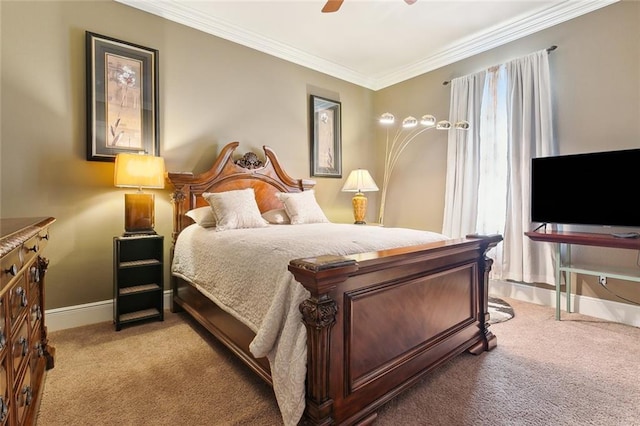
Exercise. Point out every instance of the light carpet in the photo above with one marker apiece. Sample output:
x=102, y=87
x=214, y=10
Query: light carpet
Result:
x=575, y=372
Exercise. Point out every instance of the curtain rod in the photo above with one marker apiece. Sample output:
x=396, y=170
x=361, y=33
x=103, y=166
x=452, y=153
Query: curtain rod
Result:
x=549, y=50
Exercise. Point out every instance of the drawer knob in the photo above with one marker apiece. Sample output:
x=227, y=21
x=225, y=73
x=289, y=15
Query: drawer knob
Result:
x=44, y=237
x=12, y=270
x=33, y=249
x=39, y=350
x=28, y=395
x=35, y=274
x=36, y=312
x=23, y=296
x=25, y=346
x=4, y=409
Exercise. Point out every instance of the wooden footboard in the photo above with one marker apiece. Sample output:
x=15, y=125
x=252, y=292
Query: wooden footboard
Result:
x=377, y=322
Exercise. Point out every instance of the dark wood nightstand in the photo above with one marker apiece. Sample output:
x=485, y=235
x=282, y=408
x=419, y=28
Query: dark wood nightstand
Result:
x=137, y=279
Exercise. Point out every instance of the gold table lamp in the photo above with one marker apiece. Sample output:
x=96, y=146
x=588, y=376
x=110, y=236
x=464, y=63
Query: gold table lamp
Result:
x=359, y=181
x=139, y=171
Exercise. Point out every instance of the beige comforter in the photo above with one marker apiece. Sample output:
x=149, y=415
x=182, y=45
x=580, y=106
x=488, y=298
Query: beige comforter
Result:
x=245, y=272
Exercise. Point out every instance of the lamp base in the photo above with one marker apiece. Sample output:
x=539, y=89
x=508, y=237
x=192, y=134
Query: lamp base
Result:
x=359, y=202
x=359, y=222
x=139, y=214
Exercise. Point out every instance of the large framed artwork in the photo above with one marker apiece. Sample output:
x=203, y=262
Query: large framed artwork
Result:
x=326, y=139
x=122, y=98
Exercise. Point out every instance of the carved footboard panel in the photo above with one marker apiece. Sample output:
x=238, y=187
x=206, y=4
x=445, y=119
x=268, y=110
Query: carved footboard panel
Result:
x=377, y=322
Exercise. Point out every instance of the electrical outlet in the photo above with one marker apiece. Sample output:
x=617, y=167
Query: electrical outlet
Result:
x=602, y=280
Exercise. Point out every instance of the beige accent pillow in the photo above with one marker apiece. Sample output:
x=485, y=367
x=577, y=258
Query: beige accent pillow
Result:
x=276, y=217
x=235, y=209
x=302, y=207
x=203, y=216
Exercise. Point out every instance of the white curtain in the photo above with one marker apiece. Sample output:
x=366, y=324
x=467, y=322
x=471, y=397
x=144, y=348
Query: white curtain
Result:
x=512, y=120
x=463, y=168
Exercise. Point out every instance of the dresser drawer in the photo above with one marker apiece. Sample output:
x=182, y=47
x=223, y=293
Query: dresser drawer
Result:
x=11, y=265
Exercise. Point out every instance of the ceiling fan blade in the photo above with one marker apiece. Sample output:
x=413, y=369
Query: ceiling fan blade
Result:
x=332, y=6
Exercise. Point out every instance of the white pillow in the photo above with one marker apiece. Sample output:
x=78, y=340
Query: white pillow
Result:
x=276, y=217
x=302, y=207
x=203, y=216
x=235, y=209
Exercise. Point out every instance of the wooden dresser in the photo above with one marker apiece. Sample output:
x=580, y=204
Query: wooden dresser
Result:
x=25, y=354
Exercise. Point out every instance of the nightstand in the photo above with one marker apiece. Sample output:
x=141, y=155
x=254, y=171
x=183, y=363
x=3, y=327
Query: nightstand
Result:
x=137, y=279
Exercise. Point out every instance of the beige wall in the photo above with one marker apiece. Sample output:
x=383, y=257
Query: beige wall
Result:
x=213, y=91
x=595, y=75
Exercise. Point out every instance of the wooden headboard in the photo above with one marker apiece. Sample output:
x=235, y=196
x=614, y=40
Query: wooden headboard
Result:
x=266, y=177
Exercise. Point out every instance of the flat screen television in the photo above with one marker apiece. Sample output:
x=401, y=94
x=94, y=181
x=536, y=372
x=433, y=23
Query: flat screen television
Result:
x=599, y=188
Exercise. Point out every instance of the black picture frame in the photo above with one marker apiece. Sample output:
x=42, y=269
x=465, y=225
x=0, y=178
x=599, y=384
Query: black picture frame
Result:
x=122, y=98
x=326, y=137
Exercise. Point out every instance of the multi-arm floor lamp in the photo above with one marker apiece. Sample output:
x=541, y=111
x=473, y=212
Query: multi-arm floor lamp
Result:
x=406, y=133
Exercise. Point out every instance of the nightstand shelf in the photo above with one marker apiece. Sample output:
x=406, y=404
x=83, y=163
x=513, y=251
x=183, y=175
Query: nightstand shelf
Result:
x=137, y=279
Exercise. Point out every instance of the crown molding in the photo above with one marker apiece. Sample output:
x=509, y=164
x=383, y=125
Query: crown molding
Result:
x=494, y=37
x=480, y=42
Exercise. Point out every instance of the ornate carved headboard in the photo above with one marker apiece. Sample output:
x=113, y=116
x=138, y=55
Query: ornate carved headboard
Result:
x=267, y=178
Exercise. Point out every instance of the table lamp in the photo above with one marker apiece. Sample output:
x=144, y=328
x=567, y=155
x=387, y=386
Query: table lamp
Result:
x=359, y=181
x=139, y=171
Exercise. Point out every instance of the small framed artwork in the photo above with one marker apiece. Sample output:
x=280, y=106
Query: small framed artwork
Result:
x=326, y=139
x=122, y=98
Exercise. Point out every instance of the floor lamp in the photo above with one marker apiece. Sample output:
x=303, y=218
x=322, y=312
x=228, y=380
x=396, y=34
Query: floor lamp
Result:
x=411, y=128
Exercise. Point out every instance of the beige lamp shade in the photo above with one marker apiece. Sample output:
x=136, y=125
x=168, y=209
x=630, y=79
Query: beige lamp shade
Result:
x=359, y=181
x=139, y=171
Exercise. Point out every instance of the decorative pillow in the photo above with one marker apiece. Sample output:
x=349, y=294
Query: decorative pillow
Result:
x=235, y=209
x=276, y=217
x=302, y=207
x=203, y=216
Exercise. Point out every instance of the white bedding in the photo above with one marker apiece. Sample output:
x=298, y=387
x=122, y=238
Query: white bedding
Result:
x=245, y=272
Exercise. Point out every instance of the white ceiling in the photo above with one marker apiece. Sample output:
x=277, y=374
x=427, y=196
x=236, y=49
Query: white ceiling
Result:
x=372, y=43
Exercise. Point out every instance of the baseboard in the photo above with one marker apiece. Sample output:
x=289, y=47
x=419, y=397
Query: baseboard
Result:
x=604, y=309
x=89, y=313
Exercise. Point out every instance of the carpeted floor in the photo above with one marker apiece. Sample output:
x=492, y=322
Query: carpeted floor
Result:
x=576, y=372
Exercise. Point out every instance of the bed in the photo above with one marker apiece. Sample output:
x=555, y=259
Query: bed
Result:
x=370, y=324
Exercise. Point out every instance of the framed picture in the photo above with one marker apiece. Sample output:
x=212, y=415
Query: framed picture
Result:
x=326, y=139
x=122, y=98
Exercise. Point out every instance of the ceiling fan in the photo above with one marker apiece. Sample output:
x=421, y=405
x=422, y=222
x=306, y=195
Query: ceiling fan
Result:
x=334, y=5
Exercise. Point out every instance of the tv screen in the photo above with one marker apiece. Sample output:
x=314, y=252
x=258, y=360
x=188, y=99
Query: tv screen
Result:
x=599, y=188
